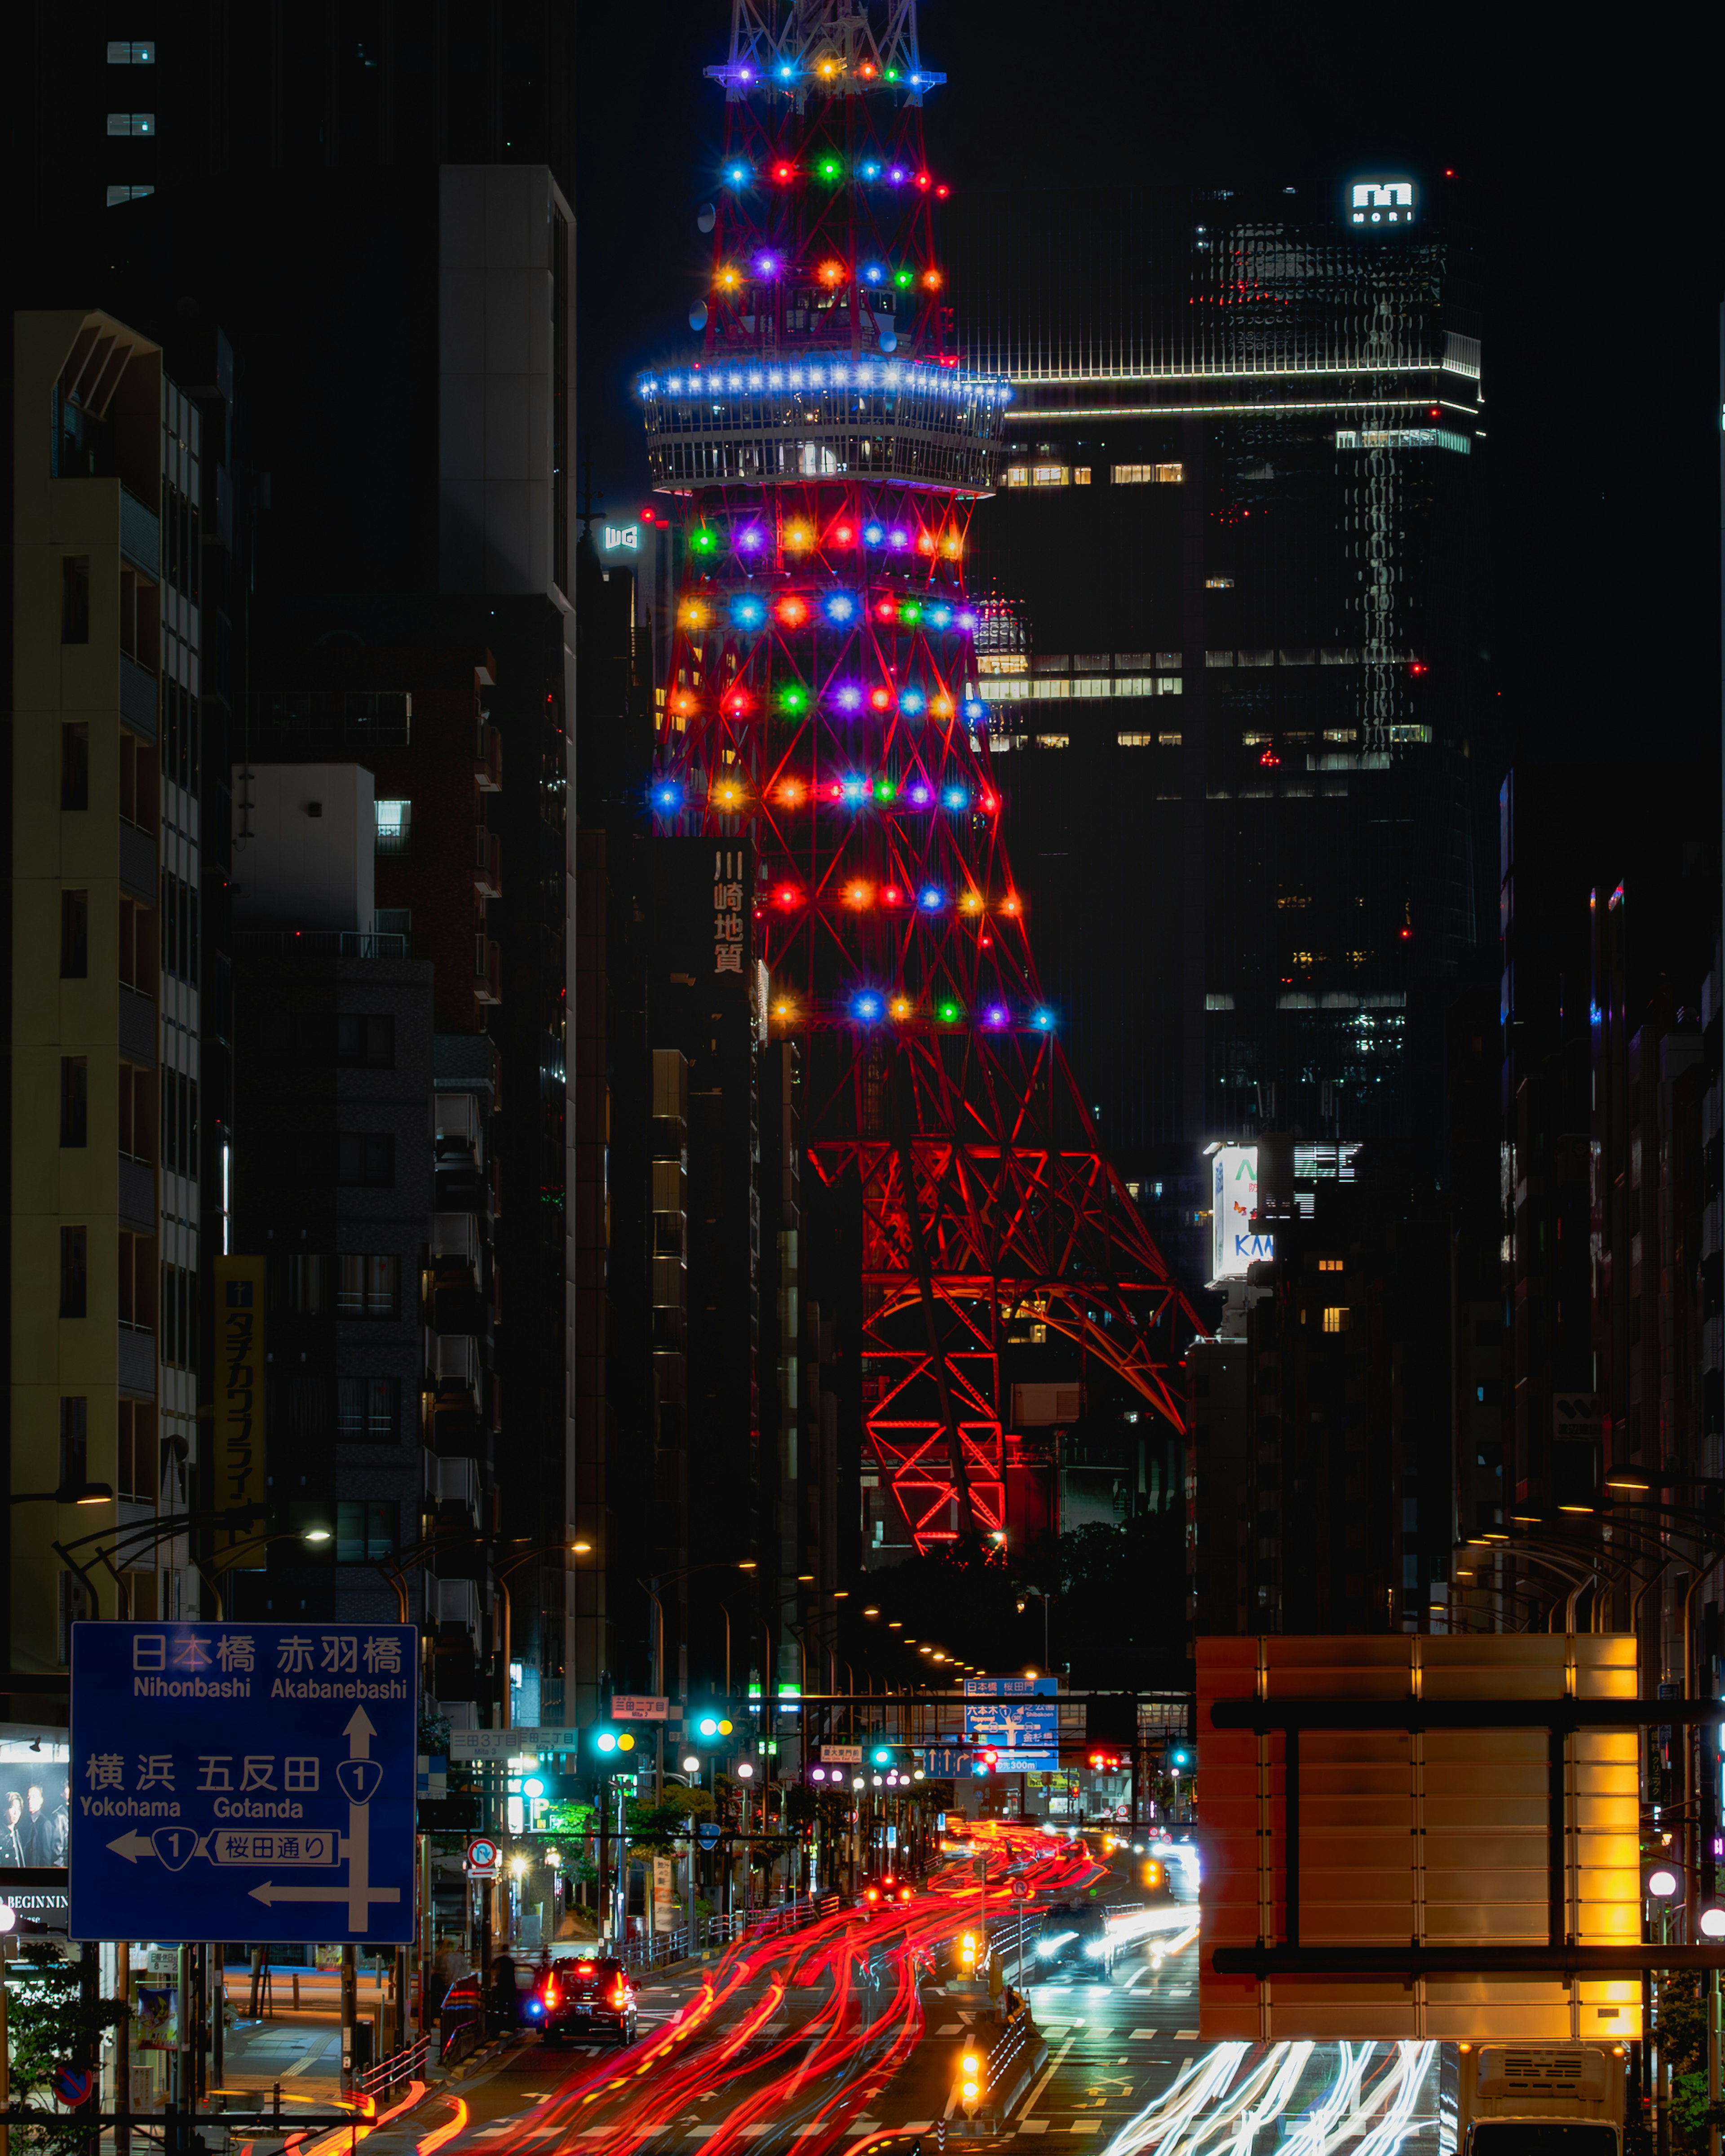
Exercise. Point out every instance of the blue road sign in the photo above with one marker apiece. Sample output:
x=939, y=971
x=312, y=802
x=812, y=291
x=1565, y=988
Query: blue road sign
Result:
x=234, y=1781
x=1019, y=1715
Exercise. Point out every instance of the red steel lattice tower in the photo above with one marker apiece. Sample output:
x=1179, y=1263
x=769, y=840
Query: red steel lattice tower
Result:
x=825, y=449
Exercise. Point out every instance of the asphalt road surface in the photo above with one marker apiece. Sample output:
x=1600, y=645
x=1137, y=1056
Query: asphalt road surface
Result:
x=836, y=2037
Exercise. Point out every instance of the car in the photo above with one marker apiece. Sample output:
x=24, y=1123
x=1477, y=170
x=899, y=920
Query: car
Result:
x=587, y=1996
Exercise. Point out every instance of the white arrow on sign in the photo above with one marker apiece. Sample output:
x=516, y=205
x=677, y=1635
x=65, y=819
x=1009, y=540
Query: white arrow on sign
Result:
x=132, y=1844
x=358, y=1893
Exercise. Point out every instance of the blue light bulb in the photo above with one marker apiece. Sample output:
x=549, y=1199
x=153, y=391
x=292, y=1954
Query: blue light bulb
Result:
x=873, y=533
x=874, y=274
x=1043, y=1021
x=667, y=797
x=748, y=613
x=911, y=703
x=839, y=607
x=738, y=176
x=939, y=616
x=856, y=790
x=954, y=796
x=933, y=898
x=974, y=707
x=867, y=1006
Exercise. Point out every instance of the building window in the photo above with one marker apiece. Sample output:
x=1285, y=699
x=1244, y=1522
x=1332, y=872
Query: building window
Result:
x=75, y=1272
x=179, y=1122
x=137, y=946
x=1330, y=1265
x=74, y=935
x=75, y=1100
x=74, y=766
x=395, y=823
x=1135, y=740
x=134, y=52
x=132, y=123
x=368, y=1410
x=1053, y=740
x=1018, y=475
x=1410, y=734
x=1335, y=1317
x=179, y=1317
x=75, y=1443
x=365, y=1160
x=1148, y=475
x=1254, y=741
x=74, y=599
x=1080, y=474
x=116, y=195
x=365, y=1529
x=1340, y=734
x=301, y=1281
x=1049, y=475
x=135, y=1465
x=1219, y=583
x=138, y=1281
x=1169, y=741
x=365, y=1041
x=368, y=1286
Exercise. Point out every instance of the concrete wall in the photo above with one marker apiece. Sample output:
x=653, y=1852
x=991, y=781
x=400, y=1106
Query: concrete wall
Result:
x=495, y=386
x=305, y=846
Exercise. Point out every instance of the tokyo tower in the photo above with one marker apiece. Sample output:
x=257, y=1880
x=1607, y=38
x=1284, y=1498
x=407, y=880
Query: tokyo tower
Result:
x=825, y=448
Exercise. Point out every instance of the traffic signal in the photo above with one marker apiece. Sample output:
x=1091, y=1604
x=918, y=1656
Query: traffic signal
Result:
x=1179, y=1758
x=713, y=1725
x=968, y=1954
x=1106, y=1763
x=882, y=1755
x=970, y=2079
x=984, y=1763
x=615, y=1747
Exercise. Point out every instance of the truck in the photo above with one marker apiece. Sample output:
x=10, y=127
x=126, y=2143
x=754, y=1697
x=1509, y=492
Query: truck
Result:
x=1532, y=2099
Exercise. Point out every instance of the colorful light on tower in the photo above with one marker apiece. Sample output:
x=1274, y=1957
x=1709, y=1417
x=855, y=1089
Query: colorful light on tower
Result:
x=853, y=667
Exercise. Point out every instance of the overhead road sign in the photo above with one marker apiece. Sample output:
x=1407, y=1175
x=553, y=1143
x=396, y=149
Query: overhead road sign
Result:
x=639, y=1706
x=261, y=1775
x=1018, y=1717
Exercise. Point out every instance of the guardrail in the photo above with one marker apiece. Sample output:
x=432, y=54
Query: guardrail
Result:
x=407, y=2065
x=719, y=1931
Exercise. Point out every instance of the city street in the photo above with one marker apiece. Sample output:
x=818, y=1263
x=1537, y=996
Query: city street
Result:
x=824, y=2039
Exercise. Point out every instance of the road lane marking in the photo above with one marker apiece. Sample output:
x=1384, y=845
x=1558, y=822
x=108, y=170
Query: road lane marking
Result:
x=1052, y=2068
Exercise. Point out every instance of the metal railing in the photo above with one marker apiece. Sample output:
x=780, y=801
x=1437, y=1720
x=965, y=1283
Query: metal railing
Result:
x=717, y=1931
x=407, y=2065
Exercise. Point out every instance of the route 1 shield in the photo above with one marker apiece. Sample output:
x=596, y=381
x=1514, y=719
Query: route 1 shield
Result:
x=258, y=1780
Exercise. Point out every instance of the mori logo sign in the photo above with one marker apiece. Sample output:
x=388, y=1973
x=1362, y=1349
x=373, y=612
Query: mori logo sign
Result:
x=1382, y=202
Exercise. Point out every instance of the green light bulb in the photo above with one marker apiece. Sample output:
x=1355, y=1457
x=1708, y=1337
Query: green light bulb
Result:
x=794, y=700
x=904, y=279
x=909, y=610
x=884, y=789
x=703, y=542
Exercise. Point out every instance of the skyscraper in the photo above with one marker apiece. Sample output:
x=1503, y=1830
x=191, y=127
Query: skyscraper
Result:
x=1238, y=468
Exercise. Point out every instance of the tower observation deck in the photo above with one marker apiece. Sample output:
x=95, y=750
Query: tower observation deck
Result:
x=821, y=723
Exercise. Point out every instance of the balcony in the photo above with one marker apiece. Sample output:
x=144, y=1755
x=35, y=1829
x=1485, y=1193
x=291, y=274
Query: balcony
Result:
x=455, y=1365
x=139, y=534
x=488, y=761
x=487, y=971
x=137, y=1196
x=137, y=1025
x=457, y=1306
x=487, y=863
x=138, y=1361
x=137, y=695
x=455, y=1604
x=452, y=1489
x=322, y=942
x=461, y=1184
x=454, y=1244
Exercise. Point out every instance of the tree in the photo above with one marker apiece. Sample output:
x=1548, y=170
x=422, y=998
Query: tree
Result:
x=51, y=2024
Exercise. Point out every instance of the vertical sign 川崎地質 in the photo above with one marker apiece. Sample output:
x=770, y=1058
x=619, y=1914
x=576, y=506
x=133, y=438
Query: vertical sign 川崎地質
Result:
x=729, y=894
x=238, y=1426
x=263, y=1775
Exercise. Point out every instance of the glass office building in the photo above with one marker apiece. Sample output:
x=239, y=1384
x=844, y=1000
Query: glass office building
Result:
x=1233, y=522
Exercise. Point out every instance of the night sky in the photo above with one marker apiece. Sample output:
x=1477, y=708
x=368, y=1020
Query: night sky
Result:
x=1587, y=155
